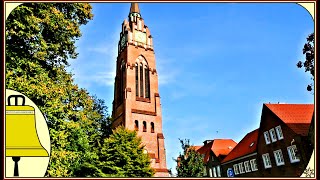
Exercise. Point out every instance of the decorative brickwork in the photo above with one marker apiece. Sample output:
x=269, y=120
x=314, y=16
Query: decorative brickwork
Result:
x=136, y=94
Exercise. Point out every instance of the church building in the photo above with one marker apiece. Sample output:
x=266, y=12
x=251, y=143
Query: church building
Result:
x=136, y=104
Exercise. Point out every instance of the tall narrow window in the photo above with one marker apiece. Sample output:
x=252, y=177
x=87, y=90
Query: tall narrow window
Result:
x=279, y=132
x=267, y=137
x=247, y=166
x=254, y=166
x=292, y=151
x=266, y=160
x=147, y=82
x=137, y=80
x=123, y=79
x=273, y=135
x=141, y=80
x=278, y=157
x=218, y=171
x=136, y=125
x=152, y=127
x=235, y=169
x=214, y=172
x=241, y=168
x=144, y=126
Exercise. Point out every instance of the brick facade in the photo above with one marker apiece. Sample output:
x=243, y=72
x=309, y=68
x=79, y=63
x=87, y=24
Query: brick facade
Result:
x=294, y=133
x=136, y=103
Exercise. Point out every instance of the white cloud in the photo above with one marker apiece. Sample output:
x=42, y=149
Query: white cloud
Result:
x=104, y=78
x=97, y=63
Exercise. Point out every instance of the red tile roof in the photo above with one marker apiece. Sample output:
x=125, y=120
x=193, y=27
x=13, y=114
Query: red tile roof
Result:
x=297, y=116
x=246, y=146
x=218, y=147
x=196, y=147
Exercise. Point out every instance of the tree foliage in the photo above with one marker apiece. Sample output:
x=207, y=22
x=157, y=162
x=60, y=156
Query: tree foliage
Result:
x=40, y=39
x=122, y=155
x=308, y=64
x=190, y=163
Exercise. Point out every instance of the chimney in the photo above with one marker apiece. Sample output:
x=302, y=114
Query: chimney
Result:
x=206, y=142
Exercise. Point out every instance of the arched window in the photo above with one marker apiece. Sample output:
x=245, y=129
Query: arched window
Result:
x=137, y=80
x=141, y=80
x=142, y=76
x=122, y=80
x=152, y=127
x=144, y=126
x=136, y=125
x=147, y=82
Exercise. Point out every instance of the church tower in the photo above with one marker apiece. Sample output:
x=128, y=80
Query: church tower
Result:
x=136, y=103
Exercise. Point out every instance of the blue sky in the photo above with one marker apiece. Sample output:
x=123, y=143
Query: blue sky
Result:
x=217, y=63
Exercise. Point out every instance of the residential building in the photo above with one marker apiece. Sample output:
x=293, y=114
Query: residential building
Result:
x=242, y=160
x=136, y=104
x=213, y=152
x=284, y=148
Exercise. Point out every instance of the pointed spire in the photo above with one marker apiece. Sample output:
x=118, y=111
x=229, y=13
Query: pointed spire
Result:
x=134, y=8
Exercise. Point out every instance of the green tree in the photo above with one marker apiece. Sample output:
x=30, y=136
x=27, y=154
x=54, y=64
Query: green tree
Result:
x=122, y=155
x=190, y=163
x=308, y=64
x=40, y=38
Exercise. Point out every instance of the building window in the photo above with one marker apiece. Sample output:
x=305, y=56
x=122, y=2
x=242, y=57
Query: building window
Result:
x=266, y=160
x=144, y=126
x=254, y=166
x=137, y=80
x=218, y=171
x=241, y=168
x=141, y=80
x=136, y=125
x=278, y=157
x=152, y=127
x=292, y=151
x=214, y=172
x=279, y=132
x=273, y=135
x=247, y=166
x=267, y=137
x=235, y=169
x=142, y=76
x=147, y=82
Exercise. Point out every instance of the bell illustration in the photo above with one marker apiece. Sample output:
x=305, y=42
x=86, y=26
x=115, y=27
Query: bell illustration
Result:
x=21, y=134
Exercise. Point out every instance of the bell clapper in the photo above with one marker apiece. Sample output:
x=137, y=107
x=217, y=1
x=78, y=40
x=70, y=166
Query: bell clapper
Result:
x=16, y=169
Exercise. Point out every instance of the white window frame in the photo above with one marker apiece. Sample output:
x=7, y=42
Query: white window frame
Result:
x=278, y=157
x=294, y=148
x=267, y=137
x=254, y=166
x=219, y=171
x=266, y=161
x=273, y=135
x=279, y=132
x=241, y=168
x=214, y=172
x=210, y=172
x=247, y=166
x=235, y=169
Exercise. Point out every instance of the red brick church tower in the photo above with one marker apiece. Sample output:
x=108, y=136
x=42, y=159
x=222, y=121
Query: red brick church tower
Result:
x=136, y=103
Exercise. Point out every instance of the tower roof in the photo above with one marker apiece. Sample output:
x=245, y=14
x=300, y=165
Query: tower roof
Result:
x=134, y=8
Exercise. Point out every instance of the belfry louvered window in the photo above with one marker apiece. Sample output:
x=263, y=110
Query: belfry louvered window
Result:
x=122, y=80
x=137, y=80
x=146, y=72
x=142, y=78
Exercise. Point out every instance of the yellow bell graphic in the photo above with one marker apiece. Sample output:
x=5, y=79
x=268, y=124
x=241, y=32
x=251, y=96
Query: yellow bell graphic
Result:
x=21, y=134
